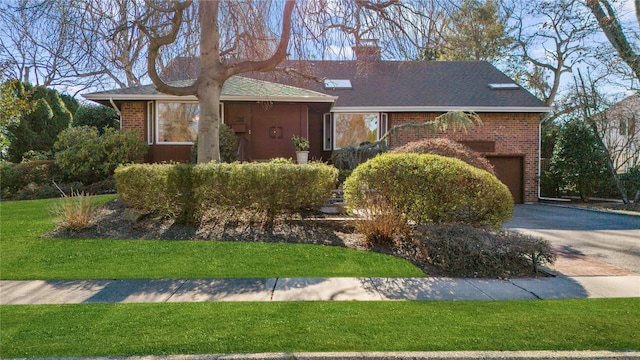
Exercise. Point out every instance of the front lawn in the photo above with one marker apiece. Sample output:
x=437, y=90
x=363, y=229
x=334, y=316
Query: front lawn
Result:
x=203, y=328
x=26, y=256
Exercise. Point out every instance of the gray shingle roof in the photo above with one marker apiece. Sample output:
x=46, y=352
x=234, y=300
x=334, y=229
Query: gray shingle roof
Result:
x=380, y=85
x=419, y=84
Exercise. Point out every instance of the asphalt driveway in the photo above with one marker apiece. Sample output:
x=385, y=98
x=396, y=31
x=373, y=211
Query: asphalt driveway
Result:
x=608, y=237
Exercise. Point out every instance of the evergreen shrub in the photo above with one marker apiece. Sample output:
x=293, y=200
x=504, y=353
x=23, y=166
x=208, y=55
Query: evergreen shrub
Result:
x=430, y=188
x=82, y=154
x=228, y=146
x=145, y=187
x=31, y=173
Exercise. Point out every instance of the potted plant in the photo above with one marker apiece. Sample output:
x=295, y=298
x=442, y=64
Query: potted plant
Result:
x=301, y=145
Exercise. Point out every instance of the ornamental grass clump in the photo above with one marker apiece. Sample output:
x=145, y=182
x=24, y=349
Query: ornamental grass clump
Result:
x=428, y=188
x=75, y=212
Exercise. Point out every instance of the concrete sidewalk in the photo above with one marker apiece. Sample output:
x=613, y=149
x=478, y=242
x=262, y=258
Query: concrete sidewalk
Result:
x=314, y=289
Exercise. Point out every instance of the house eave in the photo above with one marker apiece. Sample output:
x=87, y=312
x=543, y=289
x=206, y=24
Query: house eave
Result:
x=165, y=97
x=478, y=109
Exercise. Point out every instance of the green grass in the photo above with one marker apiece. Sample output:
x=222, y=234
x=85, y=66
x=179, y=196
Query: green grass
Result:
x=200, y=328
x=26, y=256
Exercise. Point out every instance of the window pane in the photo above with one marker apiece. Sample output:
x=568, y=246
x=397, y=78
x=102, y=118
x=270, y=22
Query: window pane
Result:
x=354, y=129
x=177, y=122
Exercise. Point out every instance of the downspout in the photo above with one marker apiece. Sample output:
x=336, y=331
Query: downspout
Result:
x=117, y=110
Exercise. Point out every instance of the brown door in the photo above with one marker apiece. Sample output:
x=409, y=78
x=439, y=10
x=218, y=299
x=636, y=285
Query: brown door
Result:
x=509, y=170
x=272, y=128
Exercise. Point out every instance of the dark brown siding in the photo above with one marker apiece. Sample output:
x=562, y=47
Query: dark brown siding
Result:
x=167, y=153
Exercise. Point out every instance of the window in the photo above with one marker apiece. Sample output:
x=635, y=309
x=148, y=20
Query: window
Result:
x=326, y=132
x=355, y=129
x=177, y=123
x=334, y=84
x=504, y=86
x=150, y=118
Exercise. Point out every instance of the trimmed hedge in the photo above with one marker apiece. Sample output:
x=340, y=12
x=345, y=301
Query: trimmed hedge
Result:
x=187, y=192
x=430, y=188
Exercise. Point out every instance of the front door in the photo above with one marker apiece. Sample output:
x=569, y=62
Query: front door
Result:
x=272, y=126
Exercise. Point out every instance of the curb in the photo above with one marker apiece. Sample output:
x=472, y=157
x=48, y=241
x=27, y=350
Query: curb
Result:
x=459, y=355
x=614, y=212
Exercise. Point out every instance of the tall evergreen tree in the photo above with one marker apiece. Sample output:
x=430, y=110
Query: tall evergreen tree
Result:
x=477, y=31
x=579, y=161
x=37, y=129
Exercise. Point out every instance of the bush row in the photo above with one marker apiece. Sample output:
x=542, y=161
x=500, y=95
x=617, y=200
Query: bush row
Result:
x=84, y=160
x=186, y=192
x=42, y=179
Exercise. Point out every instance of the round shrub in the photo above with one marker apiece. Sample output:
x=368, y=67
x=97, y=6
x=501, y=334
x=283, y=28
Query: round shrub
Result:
x=430, y=188
x=449, y=148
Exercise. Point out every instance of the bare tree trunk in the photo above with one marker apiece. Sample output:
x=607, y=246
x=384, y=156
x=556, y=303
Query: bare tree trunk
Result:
x=610, y=24
x=209, y=124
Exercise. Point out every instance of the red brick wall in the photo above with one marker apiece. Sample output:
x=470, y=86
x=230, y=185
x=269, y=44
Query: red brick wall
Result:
x=514, y=134
x=133, y=117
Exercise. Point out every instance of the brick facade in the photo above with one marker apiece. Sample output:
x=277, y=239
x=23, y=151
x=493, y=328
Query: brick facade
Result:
x=514, y=134
x=133, y=117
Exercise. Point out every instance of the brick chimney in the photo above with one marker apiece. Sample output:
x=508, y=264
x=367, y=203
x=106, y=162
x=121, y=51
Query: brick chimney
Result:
x=367, y=50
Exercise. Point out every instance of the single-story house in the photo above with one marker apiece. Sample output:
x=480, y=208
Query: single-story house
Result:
x=343, y=103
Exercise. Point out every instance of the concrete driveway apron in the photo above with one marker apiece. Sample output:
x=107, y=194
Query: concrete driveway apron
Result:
x=588, y=242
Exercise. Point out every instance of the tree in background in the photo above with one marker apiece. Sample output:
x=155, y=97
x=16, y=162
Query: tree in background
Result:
x=477, y=30
x=98, y=116
x=11, y=107
x=609, y=22
x=578, y=160
x=81, y=44
x=551, y=39
x=37, y=129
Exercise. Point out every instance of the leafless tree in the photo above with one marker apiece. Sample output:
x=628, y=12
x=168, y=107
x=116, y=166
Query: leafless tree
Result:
x=40, y=45
x=256, y=36
x=83, y=43
x=620, y=38
x=552, y=38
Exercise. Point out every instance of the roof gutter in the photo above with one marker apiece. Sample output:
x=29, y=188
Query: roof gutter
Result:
x=480, y=109
x=163, y=97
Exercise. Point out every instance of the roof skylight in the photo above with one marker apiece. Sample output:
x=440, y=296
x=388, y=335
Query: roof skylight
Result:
x=334, y=84
x=504, y=86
